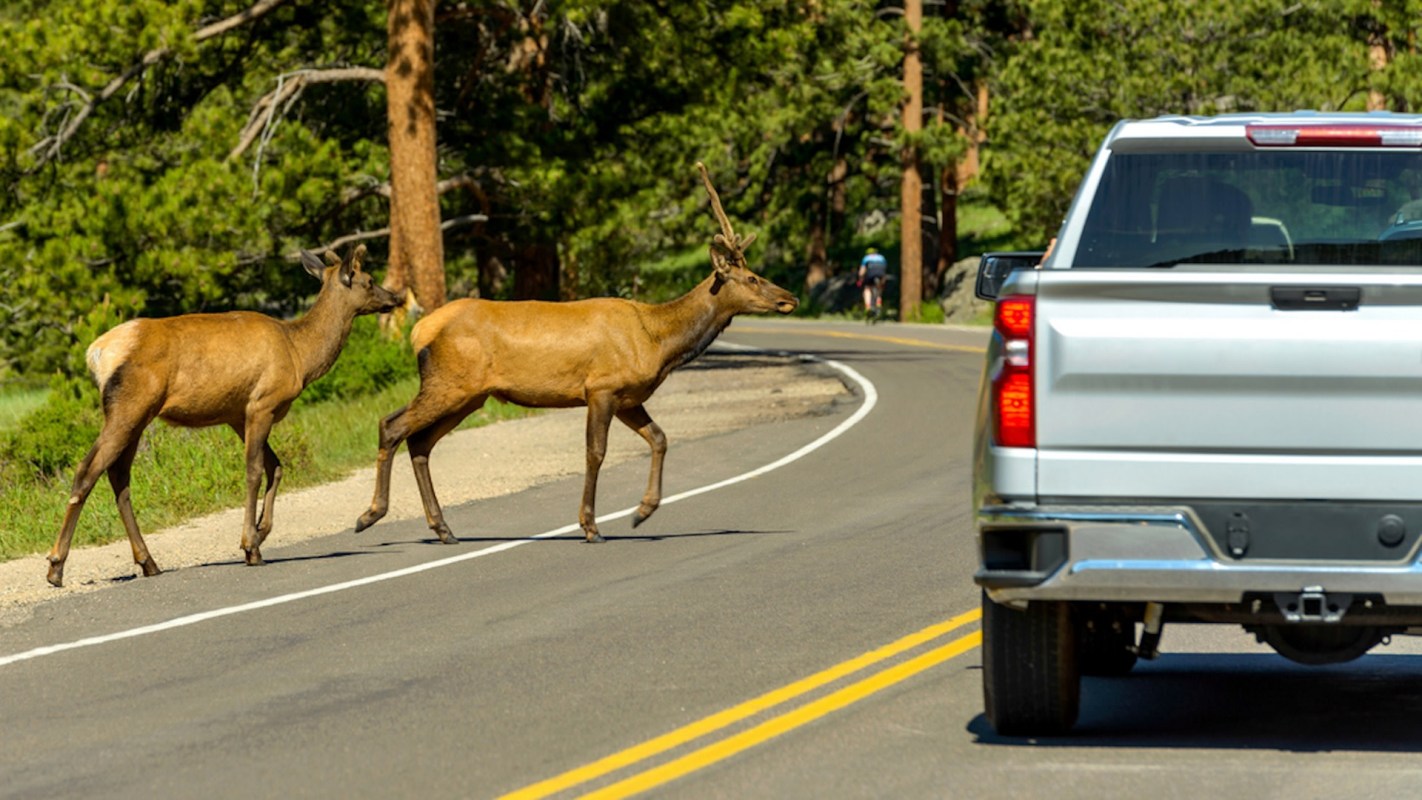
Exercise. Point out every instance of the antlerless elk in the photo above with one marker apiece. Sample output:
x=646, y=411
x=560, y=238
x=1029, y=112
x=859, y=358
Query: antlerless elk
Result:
x=241, y=369
x=608, y=354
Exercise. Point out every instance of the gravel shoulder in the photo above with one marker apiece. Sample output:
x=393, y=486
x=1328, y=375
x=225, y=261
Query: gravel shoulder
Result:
x=721, y=392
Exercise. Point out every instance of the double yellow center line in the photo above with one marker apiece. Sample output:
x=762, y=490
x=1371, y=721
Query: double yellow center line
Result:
x=724, y=748
x=867, y=337
x=770, y=728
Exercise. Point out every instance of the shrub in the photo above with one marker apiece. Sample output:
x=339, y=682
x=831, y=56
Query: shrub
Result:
x=371, y=361
x=54, y=437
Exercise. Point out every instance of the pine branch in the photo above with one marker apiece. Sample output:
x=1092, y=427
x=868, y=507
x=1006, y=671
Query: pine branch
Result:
x=264, y=114
x=50, y=147
x=380, y=233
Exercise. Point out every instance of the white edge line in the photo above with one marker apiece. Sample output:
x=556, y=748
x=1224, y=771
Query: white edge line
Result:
x=871, y=398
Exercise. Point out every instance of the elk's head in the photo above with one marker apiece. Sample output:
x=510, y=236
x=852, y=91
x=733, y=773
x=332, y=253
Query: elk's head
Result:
x=744, y=290
x=356, y=289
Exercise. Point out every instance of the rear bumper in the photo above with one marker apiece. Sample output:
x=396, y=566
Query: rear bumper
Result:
x=1152, y=554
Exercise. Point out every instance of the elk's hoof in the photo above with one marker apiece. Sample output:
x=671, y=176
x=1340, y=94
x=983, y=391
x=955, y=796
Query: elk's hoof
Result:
x=367, y=519
x=593, y=537
x=254, y=557
x=150, y=568
x=442, y=531
x=642, y=514
x=56, y=575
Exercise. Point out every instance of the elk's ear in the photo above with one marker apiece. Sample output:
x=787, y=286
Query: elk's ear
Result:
x=356, y=258
x=312, y=264
x=722, y=259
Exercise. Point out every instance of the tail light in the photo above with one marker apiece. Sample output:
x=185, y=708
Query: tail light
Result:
x=1346, y=135
x=1014, y=413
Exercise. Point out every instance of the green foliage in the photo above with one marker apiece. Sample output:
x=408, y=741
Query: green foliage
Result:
x=927, y=312
x=18, y=399
x=55, y=436
x=142, y=207
x=371, y=361
x=180, y=473
x=578, y=124
x=1091, y=63
x=983, y=228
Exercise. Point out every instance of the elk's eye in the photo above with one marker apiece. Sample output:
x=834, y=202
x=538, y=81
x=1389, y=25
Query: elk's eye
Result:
x=754, y=281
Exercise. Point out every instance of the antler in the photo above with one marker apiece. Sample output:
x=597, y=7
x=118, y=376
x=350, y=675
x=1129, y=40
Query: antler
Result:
x=728, y=236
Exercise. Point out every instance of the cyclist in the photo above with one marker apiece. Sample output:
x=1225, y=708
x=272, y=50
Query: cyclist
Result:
x=873, y=271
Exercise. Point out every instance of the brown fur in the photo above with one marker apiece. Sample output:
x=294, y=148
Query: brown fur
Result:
x=239, y=369
x=607, y=354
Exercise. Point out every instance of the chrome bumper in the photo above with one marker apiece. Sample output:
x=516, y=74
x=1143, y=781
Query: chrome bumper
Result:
x=1162, y=554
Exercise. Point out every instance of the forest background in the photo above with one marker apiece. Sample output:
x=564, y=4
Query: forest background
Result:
x=169, y=156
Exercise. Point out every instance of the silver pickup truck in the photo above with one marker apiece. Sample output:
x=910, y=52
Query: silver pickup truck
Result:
x=1205, y=405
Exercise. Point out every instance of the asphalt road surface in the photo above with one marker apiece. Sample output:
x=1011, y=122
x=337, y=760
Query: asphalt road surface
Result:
x=808, y=631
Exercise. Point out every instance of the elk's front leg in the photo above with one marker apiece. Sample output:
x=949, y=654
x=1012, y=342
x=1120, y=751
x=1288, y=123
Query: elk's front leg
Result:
x=599, y=418
x=640, y=421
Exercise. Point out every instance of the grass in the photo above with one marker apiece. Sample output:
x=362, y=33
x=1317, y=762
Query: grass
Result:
x=182, y=473
x=983, y=228
x=18, y=400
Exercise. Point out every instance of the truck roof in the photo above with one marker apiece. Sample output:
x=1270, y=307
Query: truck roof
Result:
x=1231, y=129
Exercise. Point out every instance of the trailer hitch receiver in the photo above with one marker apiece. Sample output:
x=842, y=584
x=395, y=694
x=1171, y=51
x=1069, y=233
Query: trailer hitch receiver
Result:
x=1313, y=604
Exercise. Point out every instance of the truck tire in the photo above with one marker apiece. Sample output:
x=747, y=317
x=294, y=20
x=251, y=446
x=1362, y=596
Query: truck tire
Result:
x=1031, y=677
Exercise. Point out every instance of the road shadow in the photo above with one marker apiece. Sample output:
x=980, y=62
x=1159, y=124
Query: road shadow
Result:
x=1247, y=701
x=576, y=537
x=721, y=360
x=873, y=354
x=287, y=559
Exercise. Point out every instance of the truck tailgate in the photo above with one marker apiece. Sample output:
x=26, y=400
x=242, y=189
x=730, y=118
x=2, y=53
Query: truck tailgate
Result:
x=1187, y=383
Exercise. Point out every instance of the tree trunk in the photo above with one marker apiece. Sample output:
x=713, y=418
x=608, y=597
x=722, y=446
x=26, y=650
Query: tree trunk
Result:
x=911, y=195
x=416, y=244
x=536, y=271
x=948, y=227
x=976, y=135
x=839, y=200
x=817, y=249
x=492, y=272
x=1377, y=60
x=929, y=237
x=816, y=253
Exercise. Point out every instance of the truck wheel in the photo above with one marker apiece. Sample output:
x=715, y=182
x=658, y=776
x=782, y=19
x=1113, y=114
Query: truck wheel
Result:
x=1103, y=645
x=1031, y=678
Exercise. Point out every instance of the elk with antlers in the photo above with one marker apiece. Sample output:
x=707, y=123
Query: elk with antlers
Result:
x=608, y=354
x=238, y=368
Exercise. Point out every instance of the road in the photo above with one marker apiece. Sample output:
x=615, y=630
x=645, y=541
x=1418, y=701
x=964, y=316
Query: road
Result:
x=810, y=631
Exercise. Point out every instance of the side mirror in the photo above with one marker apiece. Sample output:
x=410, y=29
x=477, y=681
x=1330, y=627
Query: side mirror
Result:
x=994, y=268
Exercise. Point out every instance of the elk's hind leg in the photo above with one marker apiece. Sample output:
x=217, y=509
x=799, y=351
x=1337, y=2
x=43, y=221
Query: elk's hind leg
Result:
x=272, y=465
x=121, y=433
x=119, y=475
x=426, y=409
x=392, y=432
x=600, y=411
x=257, y=429
x=640, y=421
x=421, y=442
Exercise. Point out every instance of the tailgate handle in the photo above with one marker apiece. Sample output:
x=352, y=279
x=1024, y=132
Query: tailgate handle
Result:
x=1315, y=298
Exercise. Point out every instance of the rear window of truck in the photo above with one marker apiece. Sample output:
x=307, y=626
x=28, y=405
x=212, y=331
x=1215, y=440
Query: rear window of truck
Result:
x=1328, y=208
